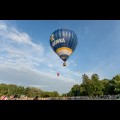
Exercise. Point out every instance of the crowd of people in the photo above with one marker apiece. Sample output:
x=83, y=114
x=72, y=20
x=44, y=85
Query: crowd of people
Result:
x=12, y=97
x=105, y=97
x=16, y=97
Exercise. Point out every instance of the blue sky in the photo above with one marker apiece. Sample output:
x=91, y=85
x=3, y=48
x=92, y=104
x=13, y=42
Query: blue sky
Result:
x=27, y=59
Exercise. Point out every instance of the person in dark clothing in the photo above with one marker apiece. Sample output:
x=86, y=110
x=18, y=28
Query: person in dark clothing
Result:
x=36, y=98
x=15, y=97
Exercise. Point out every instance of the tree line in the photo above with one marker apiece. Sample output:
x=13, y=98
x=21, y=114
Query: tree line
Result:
x=90, y=86
x=93, y=86
x=11, y=89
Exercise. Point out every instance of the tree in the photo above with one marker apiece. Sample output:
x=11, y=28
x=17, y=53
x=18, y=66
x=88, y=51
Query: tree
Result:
x=75, y=91
x=105, y=86
x=116, y=83
x=96, y=85
x=86, y=86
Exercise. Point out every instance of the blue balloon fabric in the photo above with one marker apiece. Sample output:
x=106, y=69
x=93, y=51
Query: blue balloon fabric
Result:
x=63, y=42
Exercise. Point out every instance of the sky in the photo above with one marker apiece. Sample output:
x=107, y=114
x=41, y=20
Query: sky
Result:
x=27, y=59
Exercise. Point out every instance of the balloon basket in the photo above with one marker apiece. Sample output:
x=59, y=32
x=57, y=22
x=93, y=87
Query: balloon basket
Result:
x=64, y=64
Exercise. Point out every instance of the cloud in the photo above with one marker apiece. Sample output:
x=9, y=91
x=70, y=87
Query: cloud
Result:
x=25, y=63
x=11, y=33
x=31, y=77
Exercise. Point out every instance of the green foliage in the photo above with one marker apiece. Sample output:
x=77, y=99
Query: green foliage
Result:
x=50, y=94
x=116, y=83
x=29, y=91
x=95, y=87
x=89, y=87
x=75, y=91
x=105, y=86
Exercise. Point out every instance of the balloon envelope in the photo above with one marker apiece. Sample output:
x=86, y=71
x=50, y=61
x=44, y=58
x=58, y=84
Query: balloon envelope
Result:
x=58, y=74
x=63, y=42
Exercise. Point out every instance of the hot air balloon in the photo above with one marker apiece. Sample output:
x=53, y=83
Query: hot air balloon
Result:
x=58, y=74
x=63, y=42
